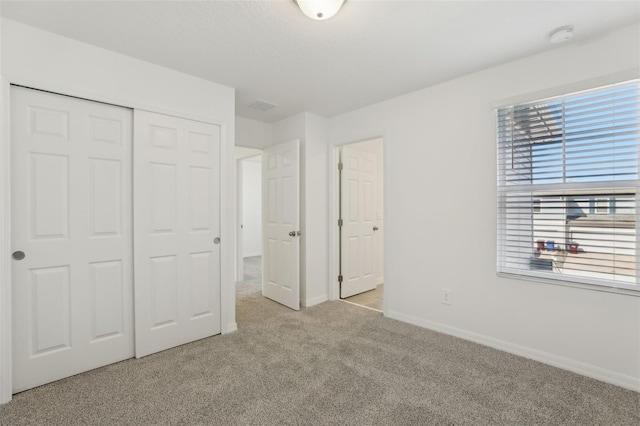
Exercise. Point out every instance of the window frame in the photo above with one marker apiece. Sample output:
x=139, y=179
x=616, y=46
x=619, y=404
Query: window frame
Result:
x=590, y=283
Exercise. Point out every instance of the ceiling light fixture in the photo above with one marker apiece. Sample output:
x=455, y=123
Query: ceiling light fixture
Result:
x=562, y=34
x=319, y=9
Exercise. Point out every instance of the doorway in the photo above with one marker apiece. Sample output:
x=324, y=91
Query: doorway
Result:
x=361, y=223
x=249, y=221
x=272, y=185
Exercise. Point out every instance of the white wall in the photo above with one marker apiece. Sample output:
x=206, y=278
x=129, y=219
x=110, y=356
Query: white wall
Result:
x=252, y=207
x=440, y=217
x=316, y=206
x=44, y=60
x=252, y=133
x=310, y=129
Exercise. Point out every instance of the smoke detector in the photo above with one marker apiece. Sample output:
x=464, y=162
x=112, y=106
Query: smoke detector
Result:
x=261, y=105
x=560, y=35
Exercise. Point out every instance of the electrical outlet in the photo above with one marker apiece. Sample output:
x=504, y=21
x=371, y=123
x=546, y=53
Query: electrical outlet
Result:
x=447, y=296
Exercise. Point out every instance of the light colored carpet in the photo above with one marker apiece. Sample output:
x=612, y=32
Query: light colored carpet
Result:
x=252, y=269
x=252, y=281
x=334, y=363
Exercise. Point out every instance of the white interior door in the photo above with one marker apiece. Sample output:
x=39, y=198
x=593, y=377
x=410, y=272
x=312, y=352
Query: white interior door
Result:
x=71, y=217
x=358, y=214
x=281, y=223
x=177, y=245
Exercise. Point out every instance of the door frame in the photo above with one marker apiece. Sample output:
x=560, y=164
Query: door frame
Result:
x=6, y=366
x=239, y=224
x=227, y=292
x=237, y=212
x=334, y=215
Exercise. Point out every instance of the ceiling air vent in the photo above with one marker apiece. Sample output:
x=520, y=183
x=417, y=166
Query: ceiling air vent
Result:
x=261, y=105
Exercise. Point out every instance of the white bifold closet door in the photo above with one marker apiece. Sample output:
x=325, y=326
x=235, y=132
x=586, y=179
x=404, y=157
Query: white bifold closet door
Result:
x=71, y=236
x=177, y=217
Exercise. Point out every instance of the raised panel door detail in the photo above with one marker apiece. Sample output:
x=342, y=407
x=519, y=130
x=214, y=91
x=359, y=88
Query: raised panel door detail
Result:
x=368, y=209
x=367, y=248
x=200, y=279
x=353, y=256
x=272, y=162
x=163, y=198
x=71, y=200
x=49, y=189
x=272, y=200
x=287, y=196
x=107, y=288
x=358, y=211
x=199, y=198
x=272, y=266
x=353, y=201
x=51, y=321
x=280, y=223
x=200, y=142
x=49, y=122
x=164, y=292
x=367, y=166
x=285, y=274
x=286, y=158
x=177, y=263
x=106, y=196
x=354, y=164
x=163, y=137
x=106, y=130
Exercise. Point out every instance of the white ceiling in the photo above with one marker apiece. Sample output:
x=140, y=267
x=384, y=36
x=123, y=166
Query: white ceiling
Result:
x=370, y=51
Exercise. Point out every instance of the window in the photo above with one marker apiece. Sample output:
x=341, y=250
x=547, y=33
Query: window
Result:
x=536, y=205
x=567, y=185
x=602, y=205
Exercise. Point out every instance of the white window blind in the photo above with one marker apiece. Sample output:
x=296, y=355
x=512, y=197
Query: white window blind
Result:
x=567, y=185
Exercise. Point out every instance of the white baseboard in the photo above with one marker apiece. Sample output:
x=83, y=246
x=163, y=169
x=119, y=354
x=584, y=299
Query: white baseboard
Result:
x=231, y=327
x=252, y=254
x=313, y=301
x=604, y=375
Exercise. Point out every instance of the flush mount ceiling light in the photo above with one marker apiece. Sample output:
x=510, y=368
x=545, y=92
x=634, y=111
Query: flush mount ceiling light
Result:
x=562, y=34
x=319, y=9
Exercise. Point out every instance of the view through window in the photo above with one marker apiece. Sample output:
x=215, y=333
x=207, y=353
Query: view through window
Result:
x=567, y=184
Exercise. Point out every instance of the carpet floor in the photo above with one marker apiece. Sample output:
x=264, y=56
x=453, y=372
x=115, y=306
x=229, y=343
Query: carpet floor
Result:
x=334, y=363
x=252, y=267
x=252, y=280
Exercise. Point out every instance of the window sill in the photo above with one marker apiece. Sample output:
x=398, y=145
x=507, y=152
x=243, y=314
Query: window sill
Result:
x=574, y=284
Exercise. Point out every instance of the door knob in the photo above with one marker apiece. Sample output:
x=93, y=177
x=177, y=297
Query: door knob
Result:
x=375, y=228
x=292, y=233
x=216, y=240
x=18, y=255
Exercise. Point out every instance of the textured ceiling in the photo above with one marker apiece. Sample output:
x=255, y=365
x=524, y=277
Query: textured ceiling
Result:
x=370, y=51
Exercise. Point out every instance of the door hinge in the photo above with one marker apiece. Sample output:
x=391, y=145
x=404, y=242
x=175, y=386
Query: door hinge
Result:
x=340, y=166
x=339, y=278
x=340, y=222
